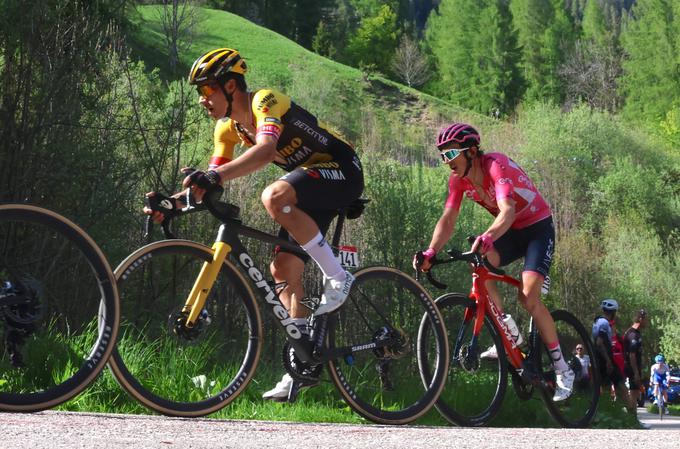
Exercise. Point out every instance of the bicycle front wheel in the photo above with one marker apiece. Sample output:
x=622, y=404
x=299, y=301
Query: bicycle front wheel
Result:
x=59, y=309
x=579, y=409
x=172, y=369
x=379, y=374
x=475, y=387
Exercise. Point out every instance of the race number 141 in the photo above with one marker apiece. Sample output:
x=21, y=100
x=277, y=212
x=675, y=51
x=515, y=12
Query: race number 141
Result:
x=349, y=256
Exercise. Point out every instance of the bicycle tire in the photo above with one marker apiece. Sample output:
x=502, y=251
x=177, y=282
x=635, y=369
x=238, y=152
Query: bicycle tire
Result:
x=580, y=408
x=661, y=404
x=384, y=385
x=65, y=329
x=475, y=388
x=184, y=373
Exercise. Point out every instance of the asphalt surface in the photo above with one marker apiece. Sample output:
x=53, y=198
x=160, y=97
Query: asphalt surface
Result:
x=57, y=430
x=667, y=423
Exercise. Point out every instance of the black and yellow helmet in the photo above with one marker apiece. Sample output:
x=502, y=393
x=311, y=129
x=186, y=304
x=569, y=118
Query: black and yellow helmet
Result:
x=215, y=65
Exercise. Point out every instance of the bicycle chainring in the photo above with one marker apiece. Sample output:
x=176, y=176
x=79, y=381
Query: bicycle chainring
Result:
x=524, y=390
x=31, y=304
x=299, y=370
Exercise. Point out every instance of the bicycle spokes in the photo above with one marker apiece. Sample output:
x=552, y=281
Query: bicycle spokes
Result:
x=376, y=334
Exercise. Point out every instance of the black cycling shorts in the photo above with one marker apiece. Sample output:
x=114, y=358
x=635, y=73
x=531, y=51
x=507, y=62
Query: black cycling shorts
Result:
x=536, y=243
x=322, y=189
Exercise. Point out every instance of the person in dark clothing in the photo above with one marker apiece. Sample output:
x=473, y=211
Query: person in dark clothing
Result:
x=632, y=350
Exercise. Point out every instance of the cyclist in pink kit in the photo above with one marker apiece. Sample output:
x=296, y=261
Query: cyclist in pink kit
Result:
x=522, y=227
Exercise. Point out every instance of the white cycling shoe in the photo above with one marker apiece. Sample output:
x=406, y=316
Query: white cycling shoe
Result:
x=492, y=354
x=565, y=384
x=283, y=391
x=280, y=391
x=334, y=294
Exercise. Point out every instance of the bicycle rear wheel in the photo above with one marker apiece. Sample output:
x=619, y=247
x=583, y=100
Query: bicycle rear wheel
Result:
x=59, y=309
x=383, y=383
x=166, y=366
x=579, y=409
x=475, y=387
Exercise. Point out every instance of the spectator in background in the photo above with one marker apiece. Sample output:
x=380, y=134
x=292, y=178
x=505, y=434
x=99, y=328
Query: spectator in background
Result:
x=584, y=375
x=632, y=350
x=602, y=336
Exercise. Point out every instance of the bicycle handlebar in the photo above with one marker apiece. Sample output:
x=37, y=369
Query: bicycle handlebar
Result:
x=221, y=210
x=474, y=258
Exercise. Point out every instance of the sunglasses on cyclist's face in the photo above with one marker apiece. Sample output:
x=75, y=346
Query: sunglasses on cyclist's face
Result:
x=579, y=349
x=450, y=154
x=206, y=90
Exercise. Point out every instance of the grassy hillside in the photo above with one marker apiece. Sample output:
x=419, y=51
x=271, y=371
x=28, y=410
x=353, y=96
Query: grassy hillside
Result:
x=353, y=102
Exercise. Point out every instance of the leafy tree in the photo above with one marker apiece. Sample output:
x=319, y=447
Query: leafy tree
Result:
x=322, y=43
x=42, y=94
x=375, y=40
x=370, y=8
x=670, y=126
x=476, y=53
x=651, y=79
x=334, y=29
x=545, y=33
x=595, y=26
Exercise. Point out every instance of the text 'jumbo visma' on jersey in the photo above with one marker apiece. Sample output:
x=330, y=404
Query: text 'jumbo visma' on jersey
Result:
x=302, y=140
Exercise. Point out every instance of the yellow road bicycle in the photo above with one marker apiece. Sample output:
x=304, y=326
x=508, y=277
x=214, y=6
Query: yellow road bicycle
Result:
x=59, y=309
x=192, y=313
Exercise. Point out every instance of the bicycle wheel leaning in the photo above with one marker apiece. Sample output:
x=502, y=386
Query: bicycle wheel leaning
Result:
x=475, y=387
x=171, y=369
x=384, y=384
x=58, y=309
x=579, y=409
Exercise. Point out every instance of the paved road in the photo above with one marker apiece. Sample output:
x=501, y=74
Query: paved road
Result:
x=667, y=423
x=57, y=430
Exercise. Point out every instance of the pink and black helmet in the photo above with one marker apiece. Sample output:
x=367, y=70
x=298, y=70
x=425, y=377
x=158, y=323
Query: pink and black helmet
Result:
x=462, y=133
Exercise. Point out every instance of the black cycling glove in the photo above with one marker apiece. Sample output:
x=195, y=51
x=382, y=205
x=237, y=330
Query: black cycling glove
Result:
x=205, y=180
x=163, y=204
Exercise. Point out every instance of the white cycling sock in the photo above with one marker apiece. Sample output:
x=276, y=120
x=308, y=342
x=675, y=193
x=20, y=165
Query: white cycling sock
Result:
x=556, y=354
x=319, y=250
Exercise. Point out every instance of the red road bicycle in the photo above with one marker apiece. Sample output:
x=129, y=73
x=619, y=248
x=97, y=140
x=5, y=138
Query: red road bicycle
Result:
x=475, y=387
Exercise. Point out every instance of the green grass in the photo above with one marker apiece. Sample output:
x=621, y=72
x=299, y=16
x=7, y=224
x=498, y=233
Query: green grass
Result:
x=320, y=404
x=51, y=356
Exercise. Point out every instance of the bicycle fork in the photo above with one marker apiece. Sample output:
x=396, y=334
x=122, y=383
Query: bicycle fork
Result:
x=204, y=282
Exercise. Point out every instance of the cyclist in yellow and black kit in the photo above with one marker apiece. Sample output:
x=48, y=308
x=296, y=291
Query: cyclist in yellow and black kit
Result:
x=324, y=174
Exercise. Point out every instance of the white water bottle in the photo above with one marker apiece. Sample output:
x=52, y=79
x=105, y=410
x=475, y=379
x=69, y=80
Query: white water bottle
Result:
x=512, y=326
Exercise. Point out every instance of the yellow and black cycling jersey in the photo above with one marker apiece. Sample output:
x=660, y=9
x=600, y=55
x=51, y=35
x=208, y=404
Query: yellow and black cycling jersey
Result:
x=302, y=140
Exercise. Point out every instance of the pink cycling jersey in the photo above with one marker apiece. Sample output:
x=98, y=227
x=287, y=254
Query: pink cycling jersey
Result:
x=503, y=178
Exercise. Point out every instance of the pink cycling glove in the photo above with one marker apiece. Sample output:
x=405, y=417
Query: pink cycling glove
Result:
x=428, y=254
x=485, y=243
